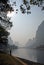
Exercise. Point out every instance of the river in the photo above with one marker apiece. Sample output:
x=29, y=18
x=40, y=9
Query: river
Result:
x=36, y=55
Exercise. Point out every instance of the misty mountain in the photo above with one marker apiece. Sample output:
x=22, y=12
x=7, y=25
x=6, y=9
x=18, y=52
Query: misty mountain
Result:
x=16, y=43
x=39, y=38
x=40, y=34
x=30, y=43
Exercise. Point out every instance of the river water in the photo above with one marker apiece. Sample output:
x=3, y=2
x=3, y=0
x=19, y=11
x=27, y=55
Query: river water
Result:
x=36, y=55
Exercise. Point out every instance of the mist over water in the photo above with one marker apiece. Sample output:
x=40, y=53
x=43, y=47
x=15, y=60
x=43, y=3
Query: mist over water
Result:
x=38, y=41
x=30, y=54
x=36, y=53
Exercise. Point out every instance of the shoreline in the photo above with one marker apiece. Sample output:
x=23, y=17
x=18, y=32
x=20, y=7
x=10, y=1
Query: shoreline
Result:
x=14, y=60
x=28, y=62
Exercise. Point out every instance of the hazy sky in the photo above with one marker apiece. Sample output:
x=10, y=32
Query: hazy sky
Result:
x=25, y=26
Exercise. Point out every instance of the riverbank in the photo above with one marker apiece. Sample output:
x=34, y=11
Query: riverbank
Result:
x=29, y=62
x=6, y=59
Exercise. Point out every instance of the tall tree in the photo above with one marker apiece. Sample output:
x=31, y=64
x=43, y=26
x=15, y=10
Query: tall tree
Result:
x=3, y=36
x=5, y=23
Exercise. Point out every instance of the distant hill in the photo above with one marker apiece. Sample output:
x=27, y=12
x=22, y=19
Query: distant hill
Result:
x=40, y=34
x=30, y=43
x=39, y=38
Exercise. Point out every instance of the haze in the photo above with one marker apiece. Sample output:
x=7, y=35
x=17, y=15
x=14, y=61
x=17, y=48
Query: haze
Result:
x=25, y=26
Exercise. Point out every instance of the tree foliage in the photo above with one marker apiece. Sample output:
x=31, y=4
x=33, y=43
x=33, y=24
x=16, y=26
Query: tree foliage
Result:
x=3, y=36
x=5, y=23
x=4, y=8
x=28, y=3
x=25, y=6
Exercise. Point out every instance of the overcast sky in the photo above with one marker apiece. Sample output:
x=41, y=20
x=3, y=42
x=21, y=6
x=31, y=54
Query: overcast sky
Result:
x=25, y=26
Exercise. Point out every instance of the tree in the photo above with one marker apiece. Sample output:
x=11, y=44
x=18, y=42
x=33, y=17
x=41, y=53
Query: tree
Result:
x=3, y=36
x=28, y=3
x=25, y=6
x=5, y=23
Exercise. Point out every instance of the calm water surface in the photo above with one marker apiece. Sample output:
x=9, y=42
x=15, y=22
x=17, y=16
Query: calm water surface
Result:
x=30, y=54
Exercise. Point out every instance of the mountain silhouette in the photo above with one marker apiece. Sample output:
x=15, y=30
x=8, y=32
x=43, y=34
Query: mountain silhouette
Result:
x=39, y=38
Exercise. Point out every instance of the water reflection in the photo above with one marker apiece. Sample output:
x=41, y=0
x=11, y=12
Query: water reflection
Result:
x=30, y=54
x=40, y=56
